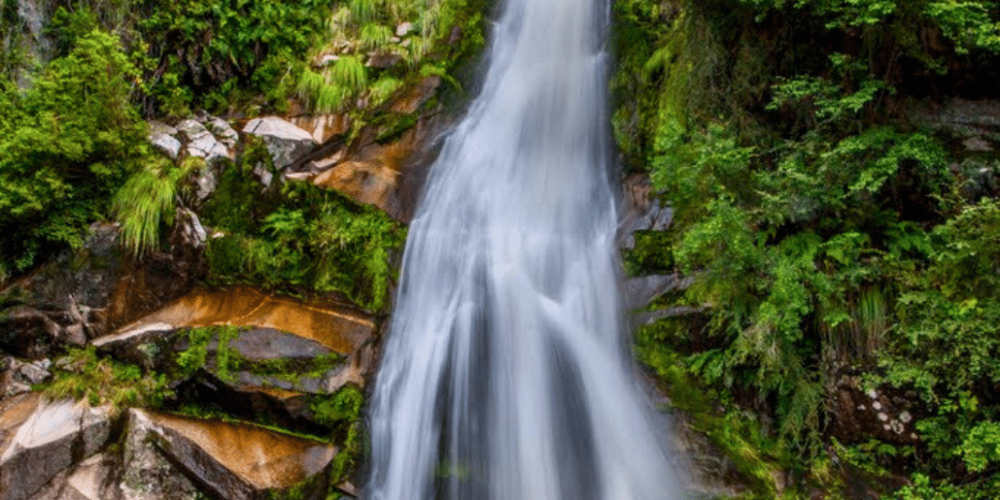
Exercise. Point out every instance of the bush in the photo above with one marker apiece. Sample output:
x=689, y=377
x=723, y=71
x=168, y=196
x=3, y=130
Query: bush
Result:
x=66, y=144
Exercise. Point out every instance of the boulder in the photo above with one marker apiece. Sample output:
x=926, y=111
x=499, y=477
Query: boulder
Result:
x=39, y=439
x=208, y=148
x=222, y=131
x=191, y=131
x=404, y=29
x=230, y=461
x=166, y=144
x=284, y=141
x=93, y=479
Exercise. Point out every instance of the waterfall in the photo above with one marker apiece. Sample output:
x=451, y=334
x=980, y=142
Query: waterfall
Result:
x=505, y=375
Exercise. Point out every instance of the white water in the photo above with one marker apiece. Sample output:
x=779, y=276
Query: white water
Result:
x=505, y=375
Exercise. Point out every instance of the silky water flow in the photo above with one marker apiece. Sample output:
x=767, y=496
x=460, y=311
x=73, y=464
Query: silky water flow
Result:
x=505, y=375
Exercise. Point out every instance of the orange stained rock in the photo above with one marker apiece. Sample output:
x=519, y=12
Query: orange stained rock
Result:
x=14, y=412
x=261, y=457
x=336, y=326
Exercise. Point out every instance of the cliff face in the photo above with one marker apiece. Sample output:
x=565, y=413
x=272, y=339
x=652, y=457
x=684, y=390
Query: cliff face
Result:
x=831, y=170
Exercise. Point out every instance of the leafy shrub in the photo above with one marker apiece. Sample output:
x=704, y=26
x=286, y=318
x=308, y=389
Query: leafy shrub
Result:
x=300, y=236
x=66, y=144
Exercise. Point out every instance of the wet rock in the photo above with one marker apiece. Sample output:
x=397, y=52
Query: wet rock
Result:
x=147, y=474
x=383, y=60
x=417, y=96
x=639, y=292
x=40, y=439
x=284, y=141
x=261, y=344
x=231, y=461
x=976, y=124
x=29, y=333
x=334, y=325
x=388, y=176
x=93, y=479
x=641, y=211
x=139, y=345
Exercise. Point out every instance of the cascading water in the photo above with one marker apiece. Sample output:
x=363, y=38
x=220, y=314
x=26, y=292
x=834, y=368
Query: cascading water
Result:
x=504, y=376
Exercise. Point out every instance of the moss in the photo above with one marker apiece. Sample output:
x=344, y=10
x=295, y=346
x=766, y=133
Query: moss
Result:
x=103, y=381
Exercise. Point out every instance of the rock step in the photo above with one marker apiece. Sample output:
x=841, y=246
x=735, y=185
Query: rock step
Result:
x=336, y=326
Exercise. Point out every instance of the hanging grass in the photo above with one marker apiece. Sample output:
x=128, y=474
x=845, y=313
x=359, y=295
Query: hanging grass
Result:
x=349, y=73
x=375, y=36
x=330, y=98
x=146, y=200
x=309, y=86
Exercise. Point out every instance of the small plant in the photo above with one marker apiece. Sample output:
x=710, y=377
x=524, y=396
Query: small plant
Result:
x=103, y=381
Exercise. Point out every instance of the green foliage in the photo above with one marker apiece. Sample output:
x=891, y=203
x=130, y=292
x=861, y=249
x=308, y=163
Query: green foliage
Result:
x=103, y=381
x=342, y=412
x=826, y=234
x=147, y=201
x=66, y=144
x=300, y=236
x=200, y=46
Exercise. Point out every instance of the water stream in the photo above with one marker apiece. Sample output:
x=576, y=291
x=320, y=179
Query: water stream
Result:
x=505, y=375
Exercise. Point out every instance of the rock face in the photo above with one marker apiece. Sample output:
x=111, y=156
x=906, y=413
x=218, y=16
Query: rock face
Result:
x=92, y=479
x=887, y=414
x=40, y=439
x=388, y=176
x=87, y=293
x=337, y=326
x=323, y=127
x=285, y=142
x=231, y=461
x=641, y=211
